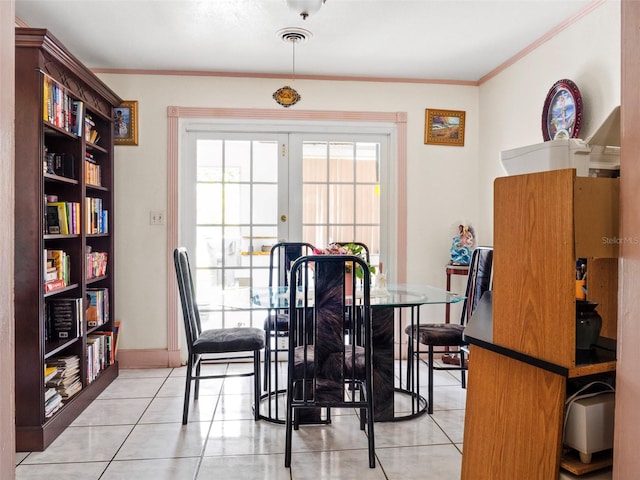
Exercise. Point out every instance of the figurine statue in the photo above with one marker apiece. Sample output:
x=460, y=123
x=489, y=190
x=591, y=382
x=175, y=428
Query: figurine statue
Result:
x=462, y=245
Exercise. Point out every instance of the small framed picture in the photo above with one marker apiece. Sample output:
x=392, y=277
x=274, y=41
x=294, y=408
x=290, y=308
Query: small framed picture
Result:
x=444, y=127
x=126, y=123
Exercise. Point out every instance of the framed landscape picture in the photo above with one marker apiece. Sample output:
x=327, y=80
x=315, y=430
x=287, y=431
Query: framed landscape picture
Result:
x=126, y=123
x=444, y=127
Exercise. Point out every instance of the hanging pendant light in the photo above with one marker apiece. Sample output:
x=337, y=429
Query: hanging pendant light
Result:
x=287, y=96
x=304, y=8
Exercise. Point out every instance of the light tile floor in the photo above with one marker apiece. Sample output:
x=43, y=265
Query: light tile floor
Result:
x=133, y=430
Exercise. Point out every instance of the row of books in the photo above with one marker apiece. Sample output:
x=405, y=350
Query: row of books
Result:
x=92, y=171
x=66, y=112
x=96, y=264
x=61, y=164
x=97, y=218
x=63, y=218
x=52, y=399
x=57, y=269
x=60, y=109
x=64, y=318
x=97, y=311
x=100, y=353
x=62, y=381
x=91, y=135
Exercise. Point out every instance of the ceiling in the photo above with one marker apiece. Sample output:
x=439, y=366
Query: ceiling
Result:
x=451, y=40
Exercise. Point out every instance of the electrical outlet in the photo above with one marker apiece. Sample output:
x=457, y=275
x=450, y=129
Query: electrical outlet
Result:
x=156, y=217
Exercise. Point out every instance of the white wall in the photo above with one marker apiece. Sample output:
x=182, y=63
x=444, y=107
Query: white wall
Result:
x=587, y=52
x=442, y=181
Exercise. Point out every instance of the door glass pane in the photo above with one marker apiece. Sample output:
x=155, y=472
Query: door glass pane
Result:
x=341, y=193
x=237, y=161
x=209, y=200
x=236, y=222
x=367, y=158
x=315, y=161
x=341, y=162
x=265, y=162
x=315, y=203
x=209, y=154
x=265, y=203
x=342, y=204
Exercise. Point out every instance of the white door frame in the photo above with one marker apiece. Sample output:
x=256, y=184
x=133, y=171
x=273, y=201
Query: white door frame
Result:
x=393, y=122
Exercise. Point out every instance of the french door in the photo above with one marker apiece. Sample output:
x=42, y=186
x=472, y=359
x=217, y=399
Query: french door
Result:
x=242, y=192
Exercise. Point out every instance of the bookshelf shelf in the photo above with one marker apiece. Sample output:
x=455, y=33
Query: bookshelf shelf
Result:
x=50, y=177
x=95, y=147
x=97, y=187
x=55, y=347
x=60, y=106
x=51, y=129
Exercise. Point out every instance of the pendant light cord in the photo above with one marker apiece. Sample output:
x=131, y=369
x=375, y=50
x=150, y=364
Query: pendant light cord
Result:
x=293, y=73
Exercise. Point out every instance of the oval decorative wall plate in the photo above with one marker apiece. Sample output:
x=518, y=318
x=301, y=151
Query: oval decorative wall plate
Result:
x=562, y=112
x=286, y=96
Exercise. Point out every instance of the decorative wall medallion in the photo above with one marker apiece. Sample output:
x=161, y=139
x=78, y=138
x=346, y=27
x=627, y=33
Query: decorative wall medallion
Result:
x=286, y=96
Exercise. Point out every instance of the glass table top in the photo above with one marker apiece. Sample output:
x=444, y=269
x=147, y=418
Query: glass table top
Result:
x=396, y=295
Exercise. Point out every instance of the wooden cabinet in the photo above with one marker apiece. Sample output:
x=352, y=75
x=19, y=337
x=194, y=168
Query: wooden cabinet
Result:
x=59, y=158
x=521, y=366
x=543, y=223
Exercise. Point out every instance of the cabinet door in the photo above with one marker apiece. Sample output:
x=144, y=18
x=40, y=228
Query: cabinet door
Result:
x=513, y=421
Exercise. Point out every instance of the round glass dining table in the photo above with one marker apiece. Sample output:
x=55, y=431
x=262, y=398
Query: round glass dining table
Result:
x=393, y=309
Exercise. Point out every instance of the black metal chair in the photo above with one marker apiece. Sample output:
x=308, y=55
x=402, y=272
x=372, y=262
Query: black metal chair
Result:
x=325, y=370
x=204, y=343
x=446, y=338
x=276, y=325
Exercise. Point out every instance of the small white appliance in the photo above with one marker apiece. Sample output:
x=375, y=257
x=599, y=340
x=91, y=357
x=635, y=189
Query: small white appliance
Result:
x=589, y=424
x=598, y=156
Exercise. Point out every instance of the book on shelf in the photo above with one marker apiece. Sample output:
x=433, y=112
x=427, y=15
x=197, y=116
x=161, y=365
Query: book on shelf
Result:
x=57, y=105
x=49, y=392
x=98, y=355
x=50, y=275
x=97, y=312
x=53, y=219
x=65, y=318
x=54, y=285
x=89, y=126
x=48, y=162
x=93, y=175
x=53, y=404
x=96, y=264
x=67, y=381
x=62, y=263
x=94, y=137
x=66, y=221
x=109, y=346
x=49, y=372
x=96, y=218
x=77, y=109
x=61, y=164
x=63, y=224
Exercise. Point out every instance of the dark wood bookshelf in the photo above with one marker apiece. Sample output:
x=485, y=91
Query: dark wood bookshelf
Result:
x=43, y=63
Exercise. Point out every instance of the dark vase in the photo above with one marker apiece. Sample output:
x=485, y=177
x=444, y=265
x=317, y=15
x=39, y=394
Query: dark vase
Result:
x=588, y=325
